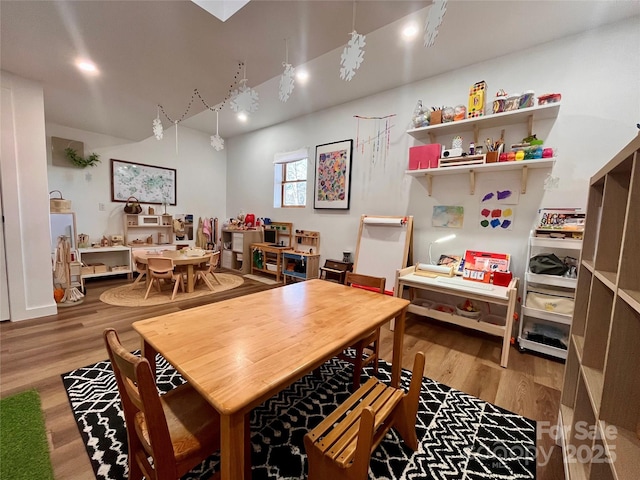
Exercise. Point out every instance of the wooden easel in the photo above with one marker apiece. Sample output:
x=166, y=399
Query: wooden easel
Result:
x=385, y=244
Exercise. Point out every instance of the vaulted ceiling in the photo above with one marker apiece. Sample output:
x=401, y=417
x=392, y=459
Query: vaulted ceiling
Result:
x=158, y=52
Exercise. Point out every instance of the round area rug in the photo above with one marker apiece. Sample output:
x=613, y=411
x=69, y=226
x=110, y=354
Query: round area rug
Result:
x=130, y=296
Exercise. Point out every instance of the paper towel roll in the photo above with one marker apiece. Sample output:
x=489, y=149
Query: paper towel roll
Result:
x=398, y=222
x=440, y=269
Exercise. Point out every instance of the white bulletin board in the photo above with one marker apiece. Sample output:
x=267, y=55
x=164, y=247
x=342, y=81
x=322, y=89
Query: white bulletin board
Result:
x=384, y=246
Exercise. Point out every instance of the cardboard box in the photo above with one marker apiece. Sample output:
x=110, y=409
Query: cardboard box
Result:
x=435, y=117
x=424, y=156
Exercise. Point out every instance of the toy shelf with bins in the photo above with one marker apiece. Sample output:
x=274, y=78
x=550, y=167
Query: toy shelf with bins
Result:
x=104, y=262
x=521, y=116
x=601, y=384
x=267, y=258
x=138, y=229
x=236, y=248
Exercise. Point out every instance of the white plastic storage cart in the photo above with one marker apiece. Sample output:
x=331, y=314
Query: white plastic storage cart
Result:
x=547, y=305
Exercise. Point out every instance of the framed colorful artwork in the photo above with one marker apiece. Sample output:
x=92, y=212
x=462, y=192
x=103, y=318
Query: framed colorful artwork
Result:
x=333, y=175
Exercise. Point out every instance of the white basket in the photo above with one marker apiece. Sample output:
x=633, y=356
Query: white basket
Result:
x=465, y=313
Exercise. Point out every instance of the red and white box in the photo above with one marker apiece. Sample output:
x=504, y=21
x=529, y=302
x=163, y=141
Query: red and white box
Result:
x=424, y=156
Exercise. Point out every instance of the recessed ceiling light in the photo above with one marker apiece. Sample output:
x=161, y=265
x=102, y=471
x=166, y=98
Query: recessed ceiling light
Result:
x=86, y=66
x=302, y=75
x=410, y=31
x=242, y=116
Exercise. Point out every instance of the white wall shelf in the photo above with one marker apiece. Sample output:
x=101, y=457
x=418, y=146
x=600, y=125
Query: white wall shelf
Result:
x=528, y=115
x=523, y=165
x=515, y=117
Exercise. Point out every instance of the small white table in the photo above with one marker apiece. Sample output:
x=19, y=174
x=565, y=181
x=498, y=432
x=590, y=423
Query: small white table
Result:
x=467, y=289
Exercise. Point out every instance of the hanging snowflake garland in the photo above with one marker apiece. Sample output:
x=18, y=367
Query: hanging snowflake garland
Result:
x=217, y=142
x=434, y=19
x=244, y=99
x=158, y=131
x=352, y=56
x=286, y=82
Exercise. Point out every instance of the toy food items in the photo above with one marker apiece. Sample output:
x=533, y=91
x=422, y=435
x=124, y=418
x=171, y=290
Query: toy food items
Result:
x=476, y=99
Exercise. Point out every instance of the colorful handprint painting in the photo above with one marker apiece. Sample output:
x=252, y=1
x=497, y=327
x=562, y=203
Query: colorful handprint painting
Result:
x=333, y=175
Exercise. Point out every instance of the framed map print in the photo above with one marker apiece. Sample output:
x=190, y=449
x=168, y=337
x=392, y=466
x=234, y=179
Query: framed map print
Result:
x=148, y=184
x=333, y=175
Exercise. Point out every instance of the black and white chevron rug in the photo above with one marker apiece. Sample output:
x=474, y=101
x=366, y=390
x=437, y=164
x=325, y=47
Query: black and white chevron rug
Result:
x=461, y=437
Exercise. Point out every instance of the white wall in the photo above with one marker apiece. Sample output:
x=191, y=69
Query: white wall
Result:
x=25, y=203
x=598, y=74
x=200, y=172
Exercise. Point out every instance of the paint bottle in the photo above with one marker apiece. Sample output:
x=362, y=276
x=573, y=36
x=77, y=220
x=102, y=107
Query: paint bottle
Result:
x=472, y=148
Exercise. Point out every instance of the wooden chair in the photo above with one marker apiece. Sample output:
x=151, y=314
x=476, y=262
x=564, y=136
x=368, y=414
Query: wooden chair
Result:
x=161, y=268
x=340, y=447
x=140, y=267
x=369, y=345
x=177, y=430
x=209, y=268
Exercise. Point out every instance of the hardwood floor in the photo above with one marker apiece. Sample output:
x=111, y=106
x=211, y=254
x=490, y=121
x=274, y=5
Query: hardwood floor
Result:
x=34, y=354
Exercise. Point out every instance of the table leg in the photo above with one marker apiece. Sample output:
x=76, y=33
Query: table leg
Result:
x=149, y=353
x=234, y=451
x=398, y=345
x=190, y=282
x=506, y=340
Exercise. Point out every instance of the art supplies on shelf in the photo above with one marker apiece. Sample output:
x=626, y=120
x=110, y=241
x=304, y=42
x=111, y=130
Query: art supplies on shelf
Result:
x=560, y=223
x=454, y=261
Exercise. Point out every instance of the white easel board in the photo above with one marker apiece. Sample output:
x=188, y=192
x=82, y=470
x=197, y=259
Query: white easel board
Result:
x=384, y=246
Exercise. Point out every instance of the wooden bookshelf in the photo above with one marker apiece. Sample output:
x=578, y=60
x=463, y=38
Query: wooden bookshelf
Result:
x=601, y=389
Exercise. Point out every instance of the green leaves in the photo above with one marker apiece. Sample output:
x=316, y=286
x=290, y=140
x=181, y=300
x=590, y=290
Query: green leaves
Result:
x=90, y=161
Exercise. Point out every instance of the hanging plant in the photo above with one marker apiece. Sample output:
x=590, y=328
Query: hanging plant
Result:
x=90, y=161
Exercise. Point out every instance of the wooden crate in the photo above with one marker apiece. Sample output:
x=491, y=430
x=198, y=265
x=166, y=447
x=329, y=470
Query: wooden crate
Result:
x=456, y=161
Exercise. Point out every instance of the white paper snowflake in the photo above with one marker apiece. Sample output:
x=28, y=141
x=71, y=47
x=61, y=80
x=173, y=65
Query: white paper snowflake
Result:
x=244, y=99
x=157, y=129
x=352, y=56
x=286, y=82
x=217, y=142
x=434, y=19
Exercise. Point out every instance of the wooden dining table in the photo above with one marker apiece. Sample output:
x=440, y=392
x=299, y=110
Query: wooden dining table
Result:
x=179, y=259
x=240, y=352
